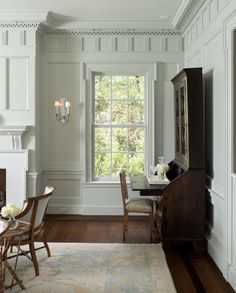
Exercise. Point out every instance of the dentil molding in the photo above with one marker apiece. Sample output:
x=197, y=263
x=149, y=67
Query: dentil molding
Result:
x=19, y=24
x=112, y=32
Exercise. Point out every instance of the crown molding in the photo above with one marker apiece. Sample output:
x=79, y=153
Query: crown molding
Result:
x=185, y=12
x=7, y=16
x=56, y=22
x=112, y=32
x=22, y=19
x=180, y=11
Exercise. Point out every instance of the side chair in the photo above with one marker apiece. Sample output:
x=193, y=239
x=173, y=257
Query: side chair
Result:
x=34, y=213
x=134, y=205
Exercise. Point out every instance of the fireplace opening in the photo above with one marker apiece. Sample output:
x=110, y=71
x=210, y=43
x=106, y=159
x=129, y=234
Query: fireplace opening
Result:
x=2, y=188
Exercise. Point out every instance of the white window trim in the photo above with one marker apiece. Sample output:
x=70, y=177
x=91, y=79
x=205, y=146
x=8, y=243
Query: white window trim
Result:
x=145, y=69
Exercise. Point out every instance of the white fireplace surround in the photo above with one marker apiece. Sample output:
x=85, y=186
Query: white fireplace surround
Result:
x=15, y=161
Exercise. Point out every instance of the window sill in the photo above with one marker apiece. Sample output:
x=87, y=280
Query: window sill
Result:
x=101, y=184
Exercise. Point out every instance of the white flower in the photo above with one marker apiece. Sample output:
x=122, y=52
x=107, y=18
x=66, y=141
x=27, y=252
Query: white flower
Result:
x=10, y=210
x=162, y=168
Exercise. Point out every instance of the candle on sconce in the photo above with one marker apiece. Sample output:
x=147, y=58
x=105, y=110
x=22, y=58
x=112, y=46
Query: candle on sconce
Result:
x=68, y=106
x=57, y=105
x=62, y=106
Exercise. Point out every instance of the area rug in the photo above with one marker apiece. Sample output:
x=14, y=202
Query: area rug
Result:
x=98, y=268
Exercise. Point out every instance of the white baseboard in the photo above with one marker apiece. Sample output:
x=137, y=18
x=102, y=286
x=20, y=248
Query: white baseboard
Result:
x=232, y=277
x=218, y=257
x=103, y=211
x=64, y=209
x=84, y=210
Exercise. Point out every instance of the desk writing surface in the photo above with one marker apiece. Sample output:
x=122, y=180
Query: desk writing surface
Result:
x=140, y=183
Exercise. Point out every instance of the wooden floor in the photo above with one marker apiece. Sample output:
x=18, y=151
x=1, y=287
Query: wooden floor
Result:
x=190, y=272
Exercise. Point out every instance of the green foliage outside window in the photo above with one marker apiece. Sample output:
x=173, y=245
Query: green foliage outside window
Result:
x=119, y=125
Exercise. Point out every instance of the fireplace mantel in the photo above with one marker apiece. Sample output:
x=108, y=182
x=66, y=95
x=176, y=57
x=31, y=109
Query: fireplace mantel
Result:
x=16, y=133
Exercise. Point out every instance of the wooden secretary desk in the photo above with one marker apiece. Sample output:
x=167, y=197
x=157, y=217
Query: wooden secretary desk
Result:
x=180, y=213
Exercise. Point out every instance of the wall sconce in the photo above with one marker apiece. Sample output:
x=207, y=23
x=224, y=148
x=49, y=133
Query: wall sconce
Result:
x=62, y=110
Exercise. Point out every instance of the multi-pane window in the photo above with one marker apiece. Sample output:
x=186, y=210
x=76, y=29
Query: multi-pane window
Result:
x=119, y=128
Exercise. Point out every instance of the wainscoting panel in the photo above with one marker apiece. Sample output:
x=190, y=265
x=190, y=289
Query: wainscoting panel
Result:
x=17, y=81
x=62, y=152
x=14, y=75
x=204, y=18
x=232, y=270
x=67, y=198
x=102, y=199
x=215, y=227
x=3, y=81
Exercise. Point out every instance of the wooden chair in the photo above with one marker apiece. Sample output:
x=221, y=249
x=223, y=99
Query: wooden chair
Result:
x=134, y=205
x=34, y=213
x=6, y=237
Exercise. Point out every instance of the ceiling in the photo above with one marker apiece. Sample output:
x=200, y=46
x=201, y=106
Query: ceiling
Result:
x=159, y=13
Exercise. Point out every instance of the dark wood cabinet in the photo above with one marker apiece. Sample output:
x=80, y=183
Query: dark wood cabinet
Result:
x=181, y=207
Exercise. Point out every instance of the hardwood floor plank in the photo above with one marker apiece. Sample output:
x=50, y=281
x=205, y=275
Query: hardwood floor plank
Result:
x=195, y=273
x=209, y=274
x=180, y=274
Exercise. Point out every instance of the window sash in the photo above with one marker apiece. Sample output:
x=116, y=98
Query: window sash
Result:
x=112, y=126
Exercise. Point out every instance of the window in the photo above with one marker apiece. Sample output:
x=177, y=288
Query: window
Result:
x=119, y=128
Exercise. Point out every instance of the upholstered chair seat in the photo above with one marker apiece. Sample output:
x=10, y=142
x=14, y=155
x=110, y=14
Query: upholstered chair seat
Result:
x=139, y=205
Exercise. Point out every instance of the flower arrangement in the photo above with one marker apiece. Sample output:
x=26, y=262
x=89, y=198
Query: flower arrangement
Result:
x=162, y=168
x=10, y=210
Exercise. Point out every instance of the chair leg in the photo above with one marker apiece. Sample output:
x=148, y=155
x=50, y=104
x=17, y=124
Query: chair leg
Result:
x=125, y=221
x=34, y=258
x=151, y=224
x=47, y=247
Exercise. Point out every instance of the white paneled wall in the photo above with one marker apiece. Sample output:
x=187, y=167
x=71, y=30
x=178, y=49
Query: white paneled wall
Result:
x=70, y=57
x=207, y=46
x=18, y=95
x=38, y=66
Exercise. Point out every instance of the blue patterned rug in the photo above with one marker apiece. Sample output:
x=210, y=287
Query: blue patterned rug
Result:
x=98, y=268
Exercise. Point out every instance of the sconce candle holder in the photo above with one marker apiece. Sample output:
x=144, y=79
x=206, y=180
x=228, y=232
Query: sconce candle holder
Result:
x=62, y=110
